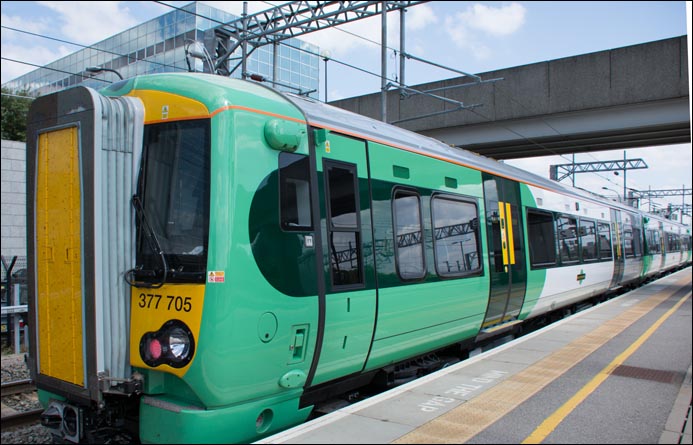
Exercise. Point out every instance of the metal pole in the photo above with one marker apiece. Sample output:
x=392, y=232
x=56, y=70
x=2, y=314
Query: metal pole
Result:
x=17, y=330
x=245, y=43
x=275, y=59
x=573, y=169
x=401, y=47
x=383, y=65
x=624, y=178
x=326, y=59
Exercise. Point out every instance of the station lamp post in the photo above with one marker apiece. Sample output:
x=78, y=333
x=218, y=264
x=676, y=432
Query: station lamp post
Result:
x=325, y=54
x=98, y=69
x=618, y=195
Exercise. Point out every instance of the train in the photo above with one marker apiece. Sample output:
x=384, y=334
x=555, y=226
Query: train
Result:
x=211, y=259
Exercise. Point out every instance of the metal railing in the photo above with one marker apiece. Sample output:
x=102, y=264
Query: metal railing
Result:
x=14, y=293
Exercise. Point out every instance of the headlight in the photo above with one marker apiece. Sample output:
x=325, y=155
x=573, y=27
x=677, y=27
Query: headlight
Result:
x=179, y=343
x=172, y=345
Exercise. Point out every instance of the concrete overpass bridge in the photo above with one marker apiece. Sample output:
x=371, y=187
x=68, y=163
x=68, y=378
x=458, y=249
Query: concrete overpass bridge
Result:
x=620, y=98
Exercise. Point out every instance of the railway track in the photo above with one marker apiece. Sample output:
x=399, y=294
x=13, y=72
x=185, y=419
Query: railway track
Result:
x=19, y=404
x=23, y=418
x=17, y=387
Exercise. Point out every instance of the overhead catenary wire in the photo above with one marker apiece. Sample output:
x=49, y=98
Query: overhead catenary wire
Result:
x=351, y=66
x=378, y=75
x=92, y=47
x=53, y=69
x=411, y=56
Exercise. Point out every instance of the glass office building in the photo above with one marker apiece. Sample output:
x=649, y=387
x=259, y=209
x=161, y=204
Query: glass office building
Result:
x=159, y=45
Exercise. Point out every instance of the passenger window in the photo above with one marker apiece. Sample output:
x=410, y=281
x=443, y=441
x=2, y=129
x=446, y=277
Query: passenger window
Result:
x=294, y=192
x=637, y=241
x=567, y=239
x=408, y=235
x=628, y=241
x=588, y=240
x=344, y=224
x=542, y=238
x=656, y=242
x=455, y=236
x=653, y=244
x=605, y=252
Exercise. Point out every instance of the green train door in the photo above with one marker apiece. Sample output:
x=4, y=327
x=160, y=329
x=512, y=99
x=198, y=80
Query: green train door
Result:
x=348, y=278
x=508, y=274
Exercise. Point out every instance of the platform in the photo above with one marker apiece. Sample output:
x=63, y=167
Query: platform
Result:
x=619, y=372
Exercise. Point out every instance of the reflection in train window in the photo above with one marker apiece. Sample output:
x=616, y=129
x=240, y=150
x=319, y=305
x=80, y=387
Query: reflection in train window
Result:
x=455, y=236
x=408, y=235
x=294, y=192
x=567, y=239
x=588, y=240
x=605, y=252
x=344, y=225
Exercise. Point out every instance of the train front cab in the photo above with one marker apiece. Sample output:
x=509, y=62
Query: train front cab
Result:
x=243, y=343
x=179, y=345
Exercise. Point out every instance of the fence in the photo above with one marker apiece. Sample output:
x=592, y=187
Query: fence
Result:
x=14, y=292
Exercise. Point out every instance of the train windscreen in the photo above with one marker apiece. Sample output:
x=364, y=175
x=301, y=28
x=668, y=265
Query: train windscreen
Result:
x=172, y=202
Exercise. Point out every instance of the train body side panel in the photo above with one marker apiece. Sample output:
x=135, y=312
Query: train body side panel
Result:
x=418, y=315
x=556, y=285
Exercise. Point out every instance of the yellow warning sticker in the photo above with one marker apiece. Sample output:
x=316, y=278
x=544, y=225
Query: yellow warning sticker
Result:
x=215, y=276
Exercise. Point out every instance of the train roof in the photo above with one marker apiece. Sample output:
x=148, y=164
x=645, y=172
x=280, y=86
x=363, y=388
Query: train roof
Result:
x=320, y=114
x=216, y=91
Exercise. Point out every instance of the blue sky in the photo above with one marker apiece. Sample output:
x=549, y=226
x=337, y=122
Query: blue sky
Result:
x=472, y=37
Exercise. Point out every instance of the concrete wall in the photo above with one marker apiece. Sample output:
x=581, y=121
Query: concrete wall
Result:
x=652, y=71
x=13, y=199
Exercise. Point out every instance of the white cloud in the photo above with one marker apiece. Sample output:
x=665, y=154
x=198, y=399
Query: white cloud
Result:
x=28, y=50
x=37, y=26
x=88, y=22
x=464, y=27
x=420, y=17
x=500, y=21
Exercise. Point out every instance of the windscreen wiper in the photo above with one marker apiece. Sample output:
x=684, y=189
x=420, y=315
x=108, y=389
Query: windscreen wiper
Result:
x=153, y=244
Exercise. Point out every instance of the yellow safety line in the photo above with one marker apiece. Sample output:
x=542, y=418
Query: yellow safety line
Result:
x=552, y=422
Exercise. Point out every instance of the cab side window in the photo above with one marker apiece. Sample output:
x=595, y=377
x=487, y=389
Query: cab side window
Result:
x=294, y=192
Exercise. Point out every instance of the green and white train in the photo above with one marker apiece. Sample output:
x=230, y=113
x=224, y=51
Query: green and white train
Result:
x=210, y=258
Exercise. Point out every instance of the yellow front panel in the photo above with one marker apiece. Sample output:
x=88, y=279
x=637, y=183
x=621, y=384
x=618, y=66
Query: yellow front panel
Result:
x=162, y=106
x=59, y=246
x=151, y=308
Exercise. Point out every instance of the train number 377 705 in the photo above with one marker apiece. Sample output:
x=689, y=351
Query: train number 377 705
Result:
x=169, y=302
